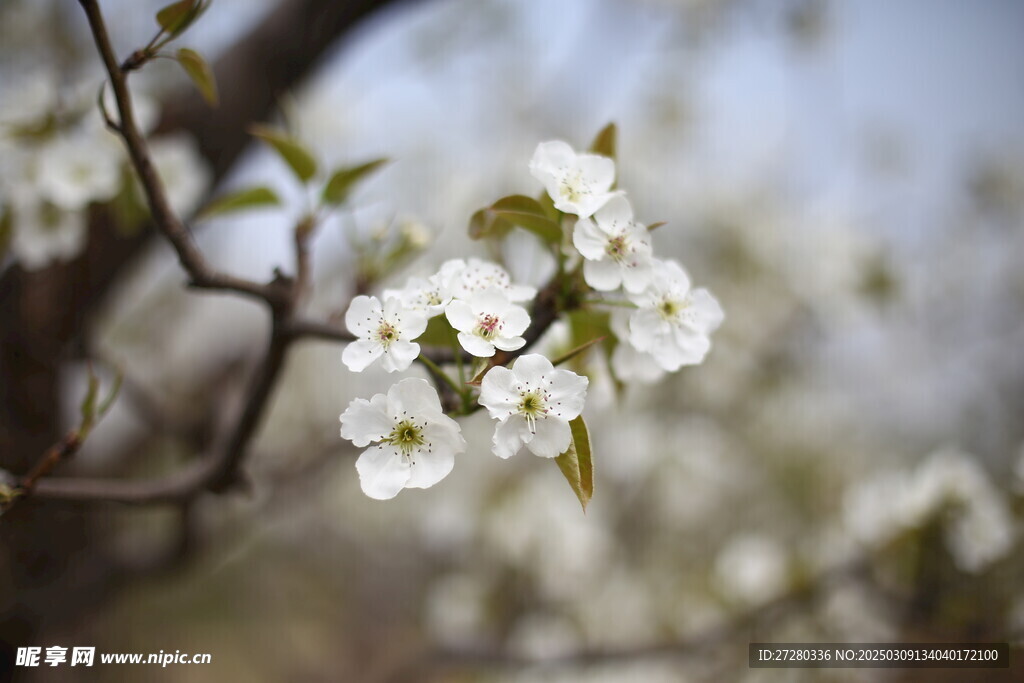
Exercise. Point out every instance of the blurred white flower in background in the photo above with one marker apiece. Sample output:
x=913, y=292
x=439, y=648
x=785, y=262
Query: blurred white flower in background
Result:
x=186, y=176
x=44, y=234
x=751, y=568
x=976, y=517
x=76, y=169
x=417, y=441
x=577, y=183
x=533, y=403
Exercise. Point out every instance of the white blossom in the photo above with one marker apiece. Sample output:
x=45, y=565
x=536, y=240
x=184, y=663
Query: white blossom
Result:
x=477, y=275
x=429, y=295
x=385, y=331
x=617, y=249
x=629, y=363
x=44, y=234
x=751, y=568
x=533, y=403
x=184, y=174
x=673, y=322
x=77, y=169
x=577, y=183
x=487, y=321
x=416, y=442
x=978, y=530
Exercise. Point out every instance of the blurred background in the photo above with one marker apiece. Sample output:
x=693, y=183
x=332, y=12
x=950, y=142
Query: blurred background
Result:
x=847, y=465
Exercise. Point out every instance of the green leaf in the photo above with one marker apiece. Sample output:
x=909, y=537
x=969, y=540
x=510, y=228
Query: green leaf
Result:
x=344, y=179
x=107, y=402
x=515, y=210
x=576, y=464
x=486, y=223
x=604, y=143
x=298, y=158
x=249, y=198
x=572, y=353
x=548, y=204
x=88, y=407
x=438, y=333
x=178, y=16
x=654, y=226
x=200, y=73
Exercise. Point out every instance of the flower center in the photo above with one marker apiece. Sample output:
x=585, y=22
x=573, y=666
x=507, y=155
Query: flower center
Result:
x=488, y=325
x=573, y=188
x=617, y=247
x=671, y=308
x=407, y=436
x=532, y=405
x=386, y=333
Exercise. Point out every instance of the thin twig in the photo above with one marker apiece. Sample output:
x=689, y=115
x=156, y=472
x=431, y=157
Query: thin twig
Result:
x=192, y=260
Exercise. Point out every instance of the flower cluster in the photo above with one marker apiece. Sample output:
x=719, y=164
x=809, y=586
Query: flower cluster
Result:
x=482, y=306
x=57, y=157
x=672, y=323
x=473, y=306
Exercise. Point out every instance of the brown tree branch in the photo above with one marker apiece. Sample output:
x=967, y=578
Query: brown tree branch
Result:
x=167, y=222
x=218, y=471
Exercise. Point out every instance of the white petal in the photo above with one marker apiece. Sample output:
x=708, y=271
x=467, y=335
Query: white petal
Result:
x=520, y=292
x=516, y=320
x=399, y=356
x=672, y=356
x=669, y=276
x=567, y=391
x=358, y=355
x=637, y=278
x=705, y=312
x=591, y=203
x=460, y=315
x=414, y=396
x=509, y=343
x=604, y=276
x=628, y=364
x=598, y=171
x=450, y=270
x=475, y=345
x=444, y=433
x=531, y=367
x=498, y=392
x=430, y=468
x=508, y=436
x=616, y=215
x=365, y=421
x=363, y=316
x=646, y=327
x=383, y=471
x=491, y=300
x=551, y=439
x=413, y=323
x=589, y=239
x=551, y=157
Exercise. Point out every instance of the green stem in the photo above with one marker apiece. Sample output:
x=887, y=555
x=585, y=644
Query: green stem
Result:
x=606, y=302
x=457, y=349
x=436, y=369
